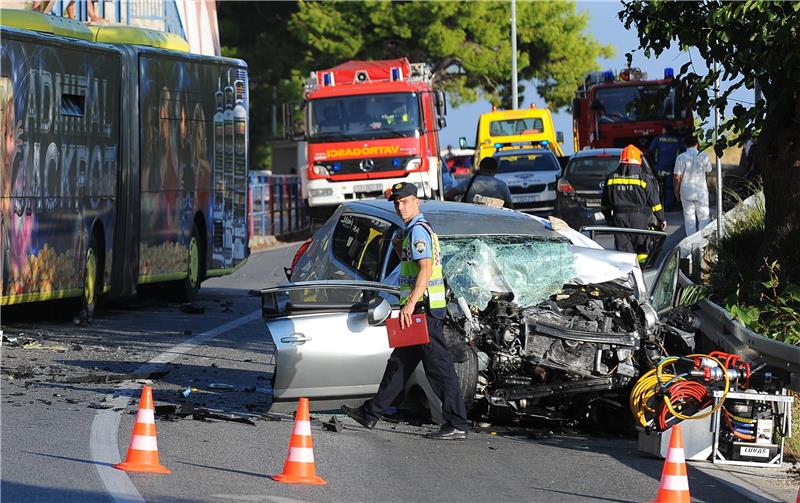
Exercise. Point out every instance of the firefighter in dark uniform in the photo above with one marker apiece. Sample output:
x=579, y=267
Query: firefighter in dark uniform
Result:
x=629, y=198
x=421, y=290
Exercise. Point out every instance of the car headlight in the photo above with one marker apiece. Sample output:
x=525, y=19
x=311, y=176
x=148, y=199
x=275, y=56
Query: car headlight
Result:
x=413, y=164
x=321, y=170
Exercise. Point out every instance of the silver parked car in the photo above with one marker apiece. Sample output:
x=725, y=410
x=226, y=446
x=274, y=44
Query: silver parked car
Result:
x=540, y=321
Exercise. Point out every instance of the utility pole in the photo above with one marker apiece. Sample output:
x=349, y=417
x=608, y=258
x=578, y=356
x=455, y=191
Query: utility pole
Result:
x=719, y=161
x=514, y=97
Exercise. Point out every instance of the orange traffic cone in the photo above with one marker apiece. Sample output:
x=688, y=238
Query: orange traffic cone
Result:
x=299, y=467
x=674, y=482
x=143, y=449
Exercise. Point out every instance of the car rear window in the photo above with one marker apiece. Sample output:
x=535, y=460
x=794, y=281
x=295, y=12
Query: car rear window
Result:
x=512, y=127
x=592, y=166
x=527, y=162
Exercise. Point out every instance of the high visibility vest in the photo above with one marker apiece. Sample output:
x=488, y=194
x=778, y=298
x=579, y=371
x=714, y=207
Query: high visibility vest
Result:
x=409, y=271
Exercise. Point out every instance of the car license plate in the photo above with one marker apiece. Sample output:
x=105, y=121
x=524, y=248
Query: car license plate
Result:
x=756, y=452
x=369, y=187
x=598, y=215
x=534, y=198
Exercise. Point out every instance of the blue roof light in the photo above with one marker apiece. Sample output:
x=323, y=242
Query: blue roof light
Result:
x=327, y=79
x=498, y=145
x=669, y=73
x=544, y=143
x=337, y=166
x=608, y=76
x=395, y=162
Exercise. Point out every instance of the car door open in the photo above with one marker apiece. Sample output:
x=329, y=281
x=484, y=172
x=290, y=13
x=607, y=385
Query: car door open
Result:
x=330, y=339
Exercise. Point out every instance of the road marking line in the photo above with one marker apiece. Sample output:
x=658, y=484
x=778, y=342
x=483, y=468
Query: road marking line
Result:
x=105, y=426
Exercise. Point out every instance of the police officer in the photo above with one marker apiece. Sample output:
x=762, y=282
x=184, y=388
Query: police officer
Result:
x=629, y=198
x=421, y=290
x=665, y=149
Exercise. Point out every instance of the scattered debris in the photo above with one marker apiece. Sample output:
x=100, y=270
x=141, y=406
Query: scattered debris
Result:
x=189, y=308
x=95, y=405
x=221, y=386
x=202, y=414
x=187, y=391
x=333, y=425
x=30, y=343
x=83, y=319
x=109, y=378
x=173, y=412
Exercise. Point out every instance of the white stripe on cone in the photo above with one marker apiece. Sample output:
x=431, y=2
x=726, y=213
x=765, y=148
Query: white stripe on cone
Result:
x=141, y=443
x=146, y=416
x=302, y=428
x=675, y=483
x=675, y=456
x=301, y=454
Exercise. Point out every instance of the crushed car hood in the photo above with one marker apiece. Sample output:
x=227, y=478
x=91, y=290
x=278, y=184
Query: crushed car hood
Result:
x=477, y=268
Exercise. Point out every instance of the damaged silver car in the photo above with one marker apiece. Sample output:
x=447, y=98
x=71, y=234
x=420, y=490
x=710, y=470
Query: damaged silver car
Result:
x=542, y=322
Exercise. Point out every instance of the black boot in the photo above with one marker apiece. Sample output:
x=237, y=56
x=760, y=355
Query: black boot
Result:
x=447, y=432
x=359, y=415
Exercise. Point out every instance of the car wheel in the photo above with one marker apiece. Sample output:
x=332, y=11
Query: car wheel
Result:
x=465, y=363
x=91, y=280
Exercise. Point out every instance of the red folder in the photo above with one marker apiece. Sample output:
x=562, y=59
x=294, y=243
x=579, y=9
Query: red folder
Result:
x=414, y=335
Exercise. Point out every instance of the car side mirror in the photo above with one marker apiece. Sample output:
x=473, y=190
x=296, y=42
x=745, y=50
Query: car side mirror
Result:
x=378, y=310
x=442, y=122
x=560, y=136
x=596, y=105
x=462, y=142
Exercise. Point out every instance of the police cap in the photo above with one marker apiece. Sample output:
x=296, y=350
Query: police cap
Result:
x=403, y=189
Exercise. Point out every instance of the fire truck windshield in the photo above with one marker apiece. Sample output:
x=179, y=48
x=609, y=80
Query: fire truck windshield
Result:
x=637, y=103
x=363, y=117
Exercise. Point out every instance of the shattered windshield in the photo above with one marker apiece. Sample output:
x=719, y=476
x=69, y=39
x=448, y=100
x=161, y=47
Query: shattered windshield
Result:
x=532, y=270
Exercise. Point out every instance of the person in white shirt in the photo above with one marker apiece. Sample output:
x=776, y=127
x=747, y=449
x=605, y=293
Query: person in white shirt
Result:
x=690, y=186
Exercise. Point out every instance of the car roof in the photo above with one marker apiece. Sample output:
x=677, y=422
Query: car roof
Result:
x=590, y=152
x=537, y=150
x=450, y=219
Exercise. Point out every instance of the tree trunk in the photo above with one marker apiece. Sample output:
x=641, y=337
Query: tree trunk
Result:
x=779, y=158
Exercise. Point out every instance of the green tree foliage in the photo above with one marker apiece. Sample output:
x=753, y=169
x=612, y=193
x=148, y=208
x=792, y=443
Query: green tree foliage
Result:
x=258, y=33
x=750, y=40
x=467, y=43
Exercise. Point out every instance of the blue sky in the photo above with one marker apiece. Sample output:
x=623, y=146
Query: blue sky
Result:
x=606, y=28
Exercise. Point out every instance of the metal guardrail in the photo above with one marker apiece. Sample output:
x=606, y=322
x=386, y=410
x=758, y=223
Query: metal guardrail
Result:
x=719, y=326
x=277, y=207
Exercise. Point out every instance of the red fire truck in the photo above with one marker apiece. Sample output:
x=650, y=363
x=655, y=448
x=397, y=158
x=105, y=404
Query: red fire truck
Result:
x=615, y=111
x=369, y=125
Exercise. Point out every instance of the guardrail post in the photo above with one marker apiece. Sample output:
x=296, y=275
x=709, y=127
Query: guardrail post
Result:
x=250, y=208
x=271, y=205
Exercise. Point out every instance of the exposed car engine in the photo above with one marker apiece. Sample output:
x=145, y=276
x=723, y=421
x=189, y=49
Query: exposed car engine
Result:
x=553, y=359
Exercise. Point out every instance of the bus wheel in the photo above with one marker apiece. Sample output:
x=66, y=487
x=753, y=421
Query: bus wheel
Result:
x=195, y=268
x=91, y=281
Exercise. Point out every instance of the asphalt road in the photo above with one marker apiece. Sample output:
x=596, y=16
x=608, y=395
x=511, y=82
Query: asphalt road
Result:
x=59, y=438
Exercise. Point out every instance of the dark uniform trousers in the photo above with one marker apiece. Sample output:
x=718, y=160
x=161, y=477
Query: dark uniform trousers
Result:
x=631, y=220
x=438, y=365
